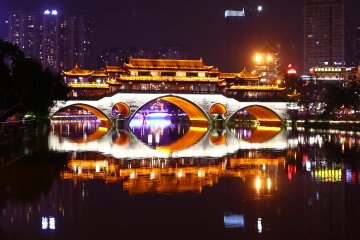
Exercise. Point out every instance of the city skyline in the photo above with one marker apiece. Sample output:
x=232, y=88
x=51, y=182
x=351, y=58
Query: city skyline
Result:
x=198, y=26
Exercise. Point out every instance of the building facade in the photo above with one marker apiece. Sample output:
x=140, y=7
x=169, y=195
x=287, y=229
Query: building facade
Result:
x=57, y=40
x=329, y=39
x=166, y=76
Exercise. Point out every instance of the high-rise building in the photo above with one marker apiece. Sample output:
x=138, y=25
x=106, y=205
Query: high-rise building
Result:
x=58, y=41
x=174, y=51
x=245, y=34
x=113, y=57
x=141, y=52
x=329, y=38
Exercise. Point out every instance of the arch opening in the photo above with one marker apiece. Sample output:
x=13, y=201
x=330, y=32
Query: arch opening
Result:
x=121, y=108
x=256, y=115
x=73, y=111
x=194, y=113
x=218, y=109
x=178, y=109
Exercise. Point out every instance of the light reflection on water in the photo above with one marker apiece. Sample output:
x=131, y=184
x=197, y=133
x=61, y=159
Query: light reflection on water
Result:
x=264, y=183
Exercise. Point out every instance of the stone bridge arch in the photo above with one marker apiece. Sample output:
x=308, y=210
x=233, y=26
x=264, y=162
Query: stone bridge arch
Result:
x=98, y=113
x=194, y=112
x=202, y=107
x=263, y=114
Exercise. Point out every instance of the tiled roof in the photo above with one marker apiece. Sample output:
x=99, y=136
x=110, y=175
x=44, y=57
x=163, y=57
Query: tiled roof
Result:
x=76, y=71
x=168, y=64
x=114, y=69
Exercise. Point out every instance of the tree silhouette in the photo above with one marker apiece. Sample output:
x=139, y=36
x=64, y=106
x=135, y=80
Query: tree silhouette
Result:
x=24, y=86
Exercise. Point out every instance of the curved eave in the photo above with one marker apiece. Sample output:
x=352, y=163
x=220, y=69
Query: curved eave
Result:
x=74, y=74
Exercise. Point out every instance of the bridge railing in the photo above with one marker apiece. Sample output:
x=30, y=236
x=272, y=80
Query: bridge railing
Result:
x=228, y=95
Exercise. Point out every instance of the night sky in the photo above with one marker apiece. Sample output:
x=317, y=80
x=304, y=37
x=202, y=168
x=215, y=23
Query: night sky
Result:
x=198, y=25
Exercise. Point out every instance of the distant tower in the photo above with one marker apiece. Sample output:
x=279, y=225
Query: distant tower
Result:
x=244, y=34
x=113, y=57
x=266, y=65
x=57, y=40
x=24, y=30
x=50, y=46
x=174, y=51
x=329, y=38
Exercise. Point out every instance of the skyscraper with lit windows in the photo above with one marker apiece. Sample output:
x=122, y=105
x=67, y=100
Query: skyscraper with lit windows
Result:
x=329, y=36
x=58, y=41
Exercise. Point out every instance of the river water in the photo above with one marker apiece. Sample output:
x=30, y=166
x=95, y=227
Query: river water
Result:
x=157, y=180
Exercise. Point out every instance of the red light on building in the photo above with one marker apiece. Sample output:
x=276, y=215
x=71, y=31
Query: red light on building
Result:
x=291, y=70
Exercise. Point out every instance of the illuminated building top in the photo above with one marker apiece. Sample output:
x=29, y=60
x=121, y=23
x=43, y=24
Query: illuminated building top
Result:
x=234, y=13
x=114, y=69
x=76, y=71
x=167, y=64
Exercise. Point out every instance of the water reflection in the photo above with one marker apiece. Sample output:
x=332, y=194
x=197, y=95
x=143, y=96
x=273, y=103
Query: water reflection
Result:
x=79, y=131
x=172, y=175
x=198, y=183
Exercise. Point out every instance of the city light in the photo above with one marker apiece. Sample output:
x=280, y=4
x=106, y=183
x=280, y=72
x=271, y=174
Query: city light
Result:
x=53, y=12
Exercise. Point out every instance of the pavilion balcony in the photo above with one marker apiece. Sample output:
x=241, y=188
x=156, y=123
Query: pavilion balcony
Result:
x=88, y=85
x=168, y=78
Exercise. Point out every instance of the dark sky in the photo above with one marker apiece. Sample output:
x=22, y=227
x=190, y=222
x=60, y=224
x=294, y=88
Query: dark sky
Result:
x=198, y=25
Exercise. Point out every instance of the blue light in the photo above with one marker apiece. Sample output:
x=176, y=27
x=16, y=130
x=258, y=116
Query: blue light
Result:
x=164, y=116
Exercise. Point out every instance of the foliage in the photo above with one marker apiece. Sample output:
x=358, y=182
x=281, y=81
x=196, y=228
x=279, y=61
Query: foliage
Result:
x=25, y=86
x=342, y=99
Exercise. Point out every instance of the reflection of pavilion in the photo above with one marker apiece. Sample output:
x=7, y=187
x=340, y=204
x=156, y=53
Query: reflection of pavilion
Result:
x=175, y=175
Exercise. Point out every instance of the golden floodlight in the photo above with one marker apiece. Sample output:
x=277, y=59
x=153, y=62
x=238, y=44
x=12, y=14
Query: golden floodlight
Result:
x=264, y=115
x=194, y=113
x=218, y=109
x=96, y=112
x=123, y=109
x=258, y=58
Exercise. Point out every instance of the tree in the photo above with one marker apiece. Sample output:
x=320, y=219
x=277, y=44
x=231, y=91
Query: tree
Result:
x=343, y=99
x=25, y=86
x=311, y=94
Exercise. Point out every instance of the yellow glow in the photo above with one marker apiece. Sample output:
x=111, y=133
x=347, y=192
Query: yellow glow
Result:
x=328, y=175
x=165, y=179
x=268, y=183
x=257, y=183
x=195, y=115
x=180, y=174
x=192, y=136
x=123, y=109
x=264, y=115
x=169, y=78
x=94, y=111
x=88, y=85
x=258, y=58
x=269, y=58
x=218, y=109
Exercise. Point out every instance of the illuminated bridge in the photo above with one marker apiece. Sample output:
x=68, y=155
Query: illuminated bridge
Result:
x=200, y=108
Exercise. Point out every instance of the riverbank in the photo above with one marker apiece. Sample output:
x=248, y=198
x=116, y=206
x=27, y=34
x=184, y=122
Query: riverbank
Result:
x=345, y=125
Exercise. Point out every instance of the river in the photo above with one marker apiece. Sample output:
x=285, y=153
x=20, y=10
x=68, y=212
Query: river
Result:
x=158, y=180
